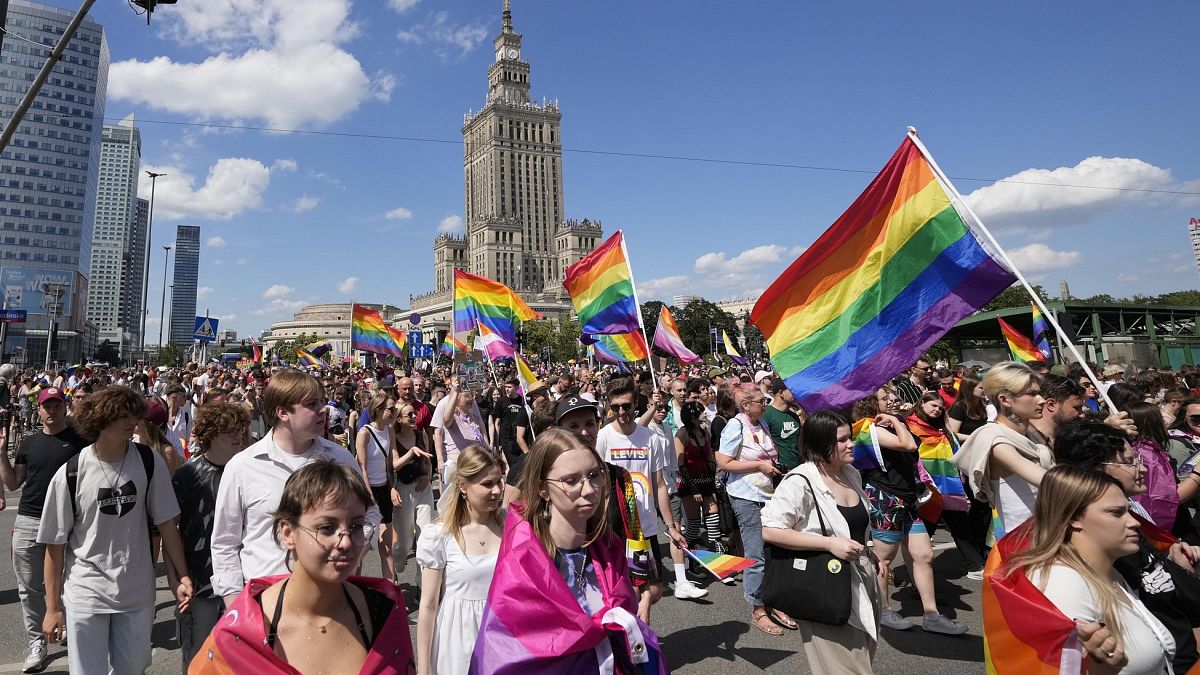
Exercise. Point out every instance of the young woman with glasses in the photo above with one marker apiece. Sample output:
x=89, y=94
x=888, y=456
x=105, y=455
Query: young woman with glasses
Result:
x=319, y=618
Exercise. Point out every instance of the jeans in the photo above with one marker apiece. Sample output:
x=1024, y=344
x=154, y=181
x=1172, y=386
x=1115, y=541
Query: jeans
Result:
x=29, y=559
x=194, y=625
x=749, y=520
x=118, y=643
x=415, y=512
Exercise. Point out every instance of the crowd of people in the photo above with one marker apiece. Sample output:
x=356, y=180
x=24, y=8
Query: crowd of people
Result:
x=548, y=520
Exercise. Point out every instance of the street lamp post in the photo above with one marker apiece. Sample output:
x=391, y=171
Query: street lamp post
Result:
x=53, y=309
x=162, y=308
x=146, y=258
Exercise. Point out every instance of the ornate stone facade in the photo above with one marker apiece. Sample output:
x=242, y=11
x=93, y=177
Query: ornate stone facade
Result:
x=328, y=322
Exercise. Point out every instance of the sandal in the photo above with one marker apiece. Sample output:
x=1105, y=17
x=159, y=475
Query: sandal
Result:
x=782, y=620
x=770, y=628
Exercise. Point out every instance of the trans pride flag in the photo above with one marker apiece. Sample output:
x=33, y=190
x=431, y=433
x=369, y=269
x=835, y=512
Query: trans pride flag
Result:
x=892, y=275
x=1021, y=348
x=667, y=338
x=1041, y=333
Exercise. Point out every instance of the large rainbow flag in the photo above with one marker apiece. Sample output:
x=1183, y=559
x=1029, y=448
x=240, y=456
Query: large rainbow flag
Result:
x=732, y=351
x=1018, y=345
x=936, y=449
x=482, y=301
x=624, y=347
x=667, y=338
x=601, y=288
x=892, y=275
x=1041, y=333
x=370, y=333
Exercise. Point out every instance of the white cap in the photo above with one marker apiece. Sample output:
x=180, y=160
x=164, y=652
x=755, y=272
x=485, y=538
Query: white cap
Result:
x=758, y=377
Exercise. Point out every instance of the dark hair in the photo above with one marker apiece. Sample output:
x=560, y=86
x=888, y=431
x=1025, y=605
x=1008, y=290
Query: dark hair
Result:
x=944, y=372
x=107, y=406
x=819, y=436
x=621, y=387
x=726, y=404
x=214, y=418
x=919, y=411
x=1060, y=388
x=544, y=414
x=1149, y=421
x=692, y=414
x=313, y=485
x=1124, y=393
x=1087, y=444
x=974, y=405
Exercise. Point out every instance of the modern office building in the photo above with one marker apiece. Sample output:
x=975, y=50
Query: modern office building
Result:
x=48, y=178
x=183, y=285
x=113, y=235
x=516, y=232
x=133, y=279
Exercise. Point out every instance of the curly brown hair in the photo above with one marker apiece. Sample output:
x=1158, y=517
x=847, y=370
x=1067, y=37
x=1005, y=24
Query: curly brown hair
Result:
x=216, y=417
x=107, y=406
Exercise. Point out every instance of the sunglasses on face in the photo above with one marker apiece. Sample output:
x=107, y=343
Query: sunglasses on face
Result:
x=1194, y=419
x=622, y=406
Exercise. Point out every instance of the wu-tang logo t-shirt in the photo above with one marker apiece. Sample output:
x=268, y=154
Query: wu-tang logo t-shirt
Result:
x=117, y=501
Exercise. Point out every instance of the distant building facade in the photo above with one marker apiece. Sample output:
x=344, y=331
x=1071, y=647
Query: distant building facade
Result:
x=184, y=281
x=325, y=322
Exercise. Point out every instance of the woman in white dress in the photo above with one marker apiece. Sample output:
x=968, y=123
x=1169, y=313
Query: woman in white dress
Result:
x=457, y=554
x=373, y=447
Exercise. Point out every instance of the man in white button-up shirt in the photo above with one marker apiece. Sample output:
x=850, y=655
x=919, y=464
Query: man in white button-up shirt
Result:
x=243, y=542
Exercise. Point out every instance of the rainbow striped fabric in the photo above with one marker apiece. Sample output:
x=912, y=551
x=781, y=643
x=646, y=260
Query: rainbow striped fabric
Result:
x=1018, y=345
x=935, y=451
x=482, y=301
x=866, y=445
x=306, y=358
x=731, y=351
x=624, y=347
x=892, y=275
x=720, y=564
x=1041, y=333
x=666, y=338
x=370, y=333
x=601, y=288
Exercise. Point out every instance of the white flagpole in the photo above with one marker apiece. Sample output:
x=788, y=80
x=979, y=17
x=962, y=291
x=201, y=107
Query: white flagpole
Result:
x=638, y=308
x=958, y=198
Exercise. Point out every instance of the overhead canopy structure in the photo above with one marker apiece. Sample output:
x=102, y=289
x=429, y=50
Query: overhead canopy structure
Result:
x=1138, y=335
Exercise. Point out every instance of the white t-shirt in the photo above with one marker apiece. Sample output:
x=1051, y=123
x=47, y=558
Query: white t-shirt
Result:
x=642, y=454
x=1147, y=642
x=107, y=553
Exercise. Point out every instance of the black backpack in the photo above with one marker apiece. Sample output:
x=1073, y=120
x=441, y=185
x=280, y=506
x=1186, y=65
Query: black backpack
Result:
x=147, y=455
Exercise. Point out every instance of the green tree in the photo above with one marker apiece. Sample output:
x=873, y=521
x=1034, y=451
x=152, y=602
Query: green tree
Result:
x=695, y=321
x=539, y=334
x=566, y=343
x=169, y=355
x=755, y=343
x=1014, y=296
x=108, y=353
x=650, y=311
x=1187, y=298
x=1100, y=297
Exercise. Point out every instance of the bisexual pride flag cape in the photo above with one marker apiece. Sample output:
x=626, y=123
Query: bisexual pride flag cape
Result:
x=533, y=625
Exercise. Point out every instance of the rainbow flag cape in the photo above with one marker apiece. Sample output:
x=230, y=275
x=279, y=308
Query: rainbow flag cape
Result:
x=492, y=344
x=721, y=565
x=892, y=275
x=1018, y=345
x=308, y=359
x=866, y=445
x=525, y=374
x=623, y=347
x=601, y=289
x=1041, y=334
x=1023, y=632
x=666, y=338
x=258, y=352
x=935, y=450
x=481, y=301
x=370, y=333
x=731, y=351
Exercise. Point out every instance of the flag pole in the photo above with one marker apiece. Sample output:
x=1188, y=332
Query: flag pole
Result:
x=638, y=308
x=958, y=198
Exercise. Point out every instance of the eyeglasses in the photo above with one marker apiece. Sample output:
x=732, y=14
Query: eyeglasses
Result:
x=573, y=485
x=328, y=536
x=660, y=408
x=1194, y=419
x=1136, y=461
x=621, y=406
x=757, y=401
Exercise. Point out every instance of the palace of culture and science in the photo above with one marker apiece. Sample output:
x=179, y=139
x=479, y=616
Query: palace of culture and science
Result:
x=513, y=186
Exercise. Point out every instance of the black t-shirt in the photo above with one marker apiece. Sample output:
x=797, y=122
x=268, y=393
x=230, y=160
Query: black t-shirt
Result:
x=967, y=425
x=513, y=415
x=899, y=475
x=196, y=484
x=42, y=456
x=1170, y=593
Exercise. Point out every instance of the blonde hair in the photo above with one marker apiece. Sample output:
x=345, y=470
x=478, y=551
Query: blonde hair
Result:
x=1008, y=377
x=547, y=448
x=473, y=463
x=448, y=418
x=1065, y=493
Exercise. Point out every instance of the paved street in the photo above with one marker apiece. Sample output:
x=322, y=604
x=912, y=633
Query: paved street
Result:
x=709, y=636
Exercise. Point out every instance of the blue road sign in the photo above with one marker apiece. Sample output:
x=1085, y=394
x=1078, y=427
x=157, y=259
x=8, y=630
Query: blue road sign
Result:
x=205, y=330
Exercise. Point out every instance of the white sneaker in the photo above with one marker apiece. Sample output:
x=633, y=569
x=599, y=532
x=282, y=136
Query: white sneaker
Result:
x=686, y=590
x=35, y=657
x=976, y=575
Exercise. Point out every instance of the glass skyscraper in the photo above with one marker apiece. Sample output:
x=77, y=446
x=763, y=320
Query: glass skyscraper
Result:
x=183, y=293
x=48, y=178
x=115, y=244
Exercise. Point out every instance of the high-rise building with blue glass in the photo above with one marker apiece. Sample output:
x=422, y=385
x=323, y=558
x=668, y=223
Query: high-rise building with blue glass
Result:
x=118, y=252
x=183, y=289
x=48, y=178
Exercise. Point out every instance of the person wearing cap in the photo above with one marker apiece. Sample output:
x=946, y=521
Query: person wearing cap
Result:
x=1113, y=373
x=784, y=424
x=763, y=379
x=37, y=460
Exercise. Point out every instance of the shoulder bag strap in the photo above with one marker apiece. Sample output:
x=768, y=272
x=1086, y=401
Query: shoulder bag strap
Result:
x=816, y=505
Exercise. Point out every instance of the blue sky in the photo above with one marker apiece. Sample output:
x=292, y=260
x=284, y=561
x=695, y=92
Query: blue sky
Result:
x=1035, y=92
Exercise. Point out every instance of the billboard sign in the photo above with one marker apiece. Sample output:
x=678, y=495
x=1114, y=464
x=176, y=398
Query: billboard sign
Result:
x=23, y=288
x=12, y=316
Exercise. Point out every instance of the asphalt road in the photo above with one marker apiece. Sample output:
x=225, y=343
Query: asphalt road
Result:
x=707, y=636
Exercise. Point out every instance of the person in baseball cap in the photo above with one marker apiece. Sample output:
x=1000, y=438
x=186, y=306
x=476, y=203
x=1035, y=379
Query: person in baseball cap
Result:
x=51, y=393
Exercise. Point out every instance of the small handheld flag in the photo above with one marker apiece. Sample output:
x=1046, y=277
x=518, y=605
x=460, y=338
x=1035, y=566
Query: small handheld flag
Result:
x=1041, y=332
x=1021, y=348
x=721, y=565
x=308, y=359
x=667, y=338
x=866, y=445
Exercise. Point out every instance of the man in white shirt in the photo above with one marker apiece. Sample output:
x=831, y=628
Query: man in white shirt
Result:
x=243, y=542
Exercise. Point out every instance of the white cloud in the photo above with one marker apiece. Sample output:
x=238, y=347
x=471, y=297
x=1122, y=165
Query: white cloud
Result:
x=278, y=291
x=242, y=260
x=215, y=242
x=1038, y=257
x=450, y=40
x=327, y=178
x=382, y=84
x=304, y=203
x=275, y=61
x=1072, y=195
x=745, y=262
x=398, y=213
x=1128, y=277
x=203, y=292
x=402, y=6
x=664, y=287
x=280, y=306
x=348, y=285
x=451, y=225
x=233, y=185
x=284, y=165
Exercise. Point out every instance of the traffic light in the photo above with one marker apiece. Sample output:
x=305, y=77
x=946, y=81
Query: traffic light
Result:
x=149, y=6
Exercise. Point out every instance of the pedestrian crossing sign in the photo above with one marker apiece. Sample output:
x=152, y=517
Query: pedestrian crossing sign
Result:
x=206, y=329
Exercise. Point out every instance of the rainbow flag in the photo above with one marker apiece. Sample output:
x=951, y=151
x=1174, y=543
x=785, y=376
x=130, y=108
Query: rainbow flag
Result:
x=623, y=347
x=866, y=445
x=731, y=351
x=892, y=275
x=452, y=344
x=935, y=451
x=481, y=301
x=601, y=289
x=370, y=333
x=492, y=344
x=1018, y=345
x=1041, y=333
x=1023, y=632
x=525, y=374
x=308, y=359
x=666, y=338
x=721, y=565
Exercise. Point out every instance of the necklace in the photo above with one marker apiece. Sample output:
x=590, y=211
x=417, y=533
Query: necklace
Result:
x=578, y=572
x=321, y=627
x=112, y=482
